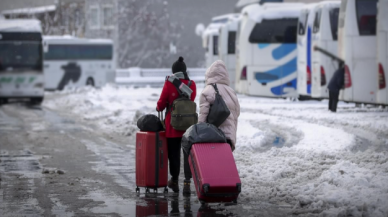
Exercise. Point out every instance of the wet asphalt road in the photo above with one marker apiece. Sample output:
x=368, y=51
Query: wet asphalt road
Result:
x=53, y=165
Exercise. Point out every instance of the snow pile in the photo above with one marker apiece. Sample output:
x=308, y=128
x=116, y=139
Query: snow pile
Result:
x=295, y=154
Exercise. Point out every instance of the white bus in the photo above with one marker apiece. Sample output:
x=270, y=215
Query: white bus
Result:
x=304, y=50
x=77, y=62
x=357, y=46
x=324, y=35
x=210, y=37
x=267, y=54
x=227, y=48
x=382, y=48
x=21, y=60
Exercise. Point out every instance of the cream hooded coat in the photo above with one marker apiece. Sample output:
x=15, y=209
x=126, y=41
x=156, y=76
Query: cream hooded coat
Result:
x=218, y=74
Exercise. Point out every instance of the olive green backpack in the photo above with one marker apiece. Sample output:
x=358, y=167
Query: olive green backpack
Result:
x=183, y=111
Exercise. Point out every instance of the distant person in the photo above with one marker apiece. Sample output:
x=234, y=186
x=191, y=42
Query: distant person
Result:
x=335, y=85
x=217, y=74
x=174, y=137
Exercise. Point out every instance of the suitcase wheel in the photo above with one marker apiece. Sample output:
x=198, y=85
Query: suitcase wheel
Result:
x=202, y=202
x=155, y=190
x=165, y=190
x=137, y=190
x=147, y=190
x=235, y=201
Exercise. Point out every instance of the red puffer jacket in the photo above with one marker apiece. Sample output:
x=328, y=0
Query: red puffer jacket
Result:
x=169, y=94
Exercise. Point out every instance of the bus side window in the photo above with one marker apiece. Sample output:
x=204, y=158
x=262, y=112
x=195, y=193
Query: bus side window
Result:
x=333, y=13
x=317, y=21
x=215, y=45
x=232, y=42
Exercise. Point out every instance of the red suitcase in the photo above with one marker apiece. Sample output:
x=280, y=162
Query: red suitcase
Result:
x=214, y=172
x=151, y=160
x=154, y=207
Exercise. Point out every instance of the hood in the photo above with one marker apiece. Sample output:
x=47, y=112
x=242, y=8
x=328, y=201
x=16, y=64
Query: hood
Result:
x=217, y=73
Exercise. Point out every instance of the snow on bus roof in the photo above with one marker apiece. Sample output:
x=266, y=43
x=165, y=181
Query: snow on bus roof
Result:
x=257, y=8
x=225, y=17
x=272, y=11
x=34, y=10
x=20, y=25
x=72, y=39
x=217, y=22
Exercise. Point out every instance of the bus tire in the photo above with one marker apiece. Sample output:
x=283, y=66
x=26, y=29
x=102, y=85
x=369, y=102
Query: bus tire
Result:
x=37, y=100
x=90, y=82
x=3, y=101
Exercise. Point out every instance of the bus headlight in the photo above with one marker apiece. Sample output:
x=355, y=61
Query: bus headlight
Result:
x=39, y=85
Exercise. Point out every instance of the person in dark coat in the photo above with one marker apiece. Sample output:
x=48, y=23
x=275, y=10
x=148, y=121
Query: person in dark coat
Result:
x=174, y=137
x=335, y=85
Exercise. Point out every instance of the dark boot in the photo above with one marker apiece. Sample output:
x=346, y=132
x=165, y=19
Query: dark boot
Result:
x=173, y=185
x=186, y=188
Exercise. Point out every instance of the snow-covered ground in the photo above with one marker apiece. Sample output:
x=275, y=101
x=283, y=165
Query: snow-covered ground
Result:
x=296, y=154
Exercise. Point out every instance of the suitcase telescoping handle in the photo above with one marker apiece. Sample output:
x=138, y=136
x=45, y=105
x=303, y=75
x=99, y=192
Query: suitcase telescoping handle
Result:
x=160, y=115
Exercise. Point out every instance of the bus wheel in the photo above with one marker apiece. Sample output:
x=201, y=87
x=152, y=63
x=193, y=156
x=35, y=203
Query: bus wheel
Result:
x=3, y=101
x=36, y=101
x=90, y=82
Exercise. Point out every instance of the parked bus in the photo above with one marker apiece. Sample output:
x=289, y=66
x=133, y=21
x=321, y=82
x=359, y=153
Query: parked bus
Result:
x=77, y=62
x=357, y=46
x=210, y=37
x=382, y=48
x=267, y=54
x=304, y=50
x=227, y=47
x=21, y=60
x=325, y=36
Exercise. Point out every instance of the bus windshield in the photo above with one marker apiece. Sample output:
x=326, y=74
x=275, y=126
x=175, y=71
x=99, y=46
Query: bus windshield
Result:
x=20, y=55
x=275, y=31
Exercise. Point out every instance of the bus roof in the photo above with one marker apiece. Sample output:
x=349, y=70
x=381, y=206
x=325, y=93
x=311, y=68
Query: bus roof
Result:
x=20, y=25
x=258, y=12
x=328, y=4
x=224, y=18
x=67, y=39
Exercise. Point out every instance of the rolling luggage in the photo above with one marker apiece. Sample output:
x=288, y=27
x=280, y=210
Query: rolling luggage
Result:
x=151, y=161
x=214, y=172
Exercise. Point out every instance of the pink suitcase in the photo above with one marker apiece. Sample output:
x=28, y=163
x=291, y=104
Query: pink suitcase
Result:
x=214, y=172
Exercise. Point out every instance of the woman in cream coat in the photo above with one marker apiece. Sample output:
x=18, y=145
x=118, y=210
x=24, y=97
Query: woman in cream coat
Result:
x=217, y=74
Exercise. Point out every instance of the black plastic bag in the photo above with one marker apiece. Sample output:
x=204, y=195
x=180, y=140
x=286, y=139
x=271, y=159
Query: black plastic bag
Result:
x=219, y=112
x=201, y=133
x=149, y=123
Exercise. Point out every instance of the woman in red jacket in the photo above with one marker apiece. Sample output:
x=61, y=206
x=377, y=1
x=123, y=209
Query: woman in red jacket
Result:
x=174, y=137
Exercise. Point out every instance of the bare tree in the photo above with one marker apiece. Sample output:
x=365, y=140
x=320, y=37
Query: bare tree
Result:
x=147, y=38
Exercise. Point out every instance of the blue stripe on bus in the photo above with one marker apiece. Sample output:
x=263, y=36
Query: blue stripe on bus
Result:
x=262, y=46
x=278, y=90
x=277, y=73
x=309, y=55
x=283, y=50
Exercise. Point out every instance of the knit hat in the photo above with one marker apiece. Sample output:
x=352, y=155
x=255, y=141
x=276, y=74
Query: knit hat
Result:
x=179, y=66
